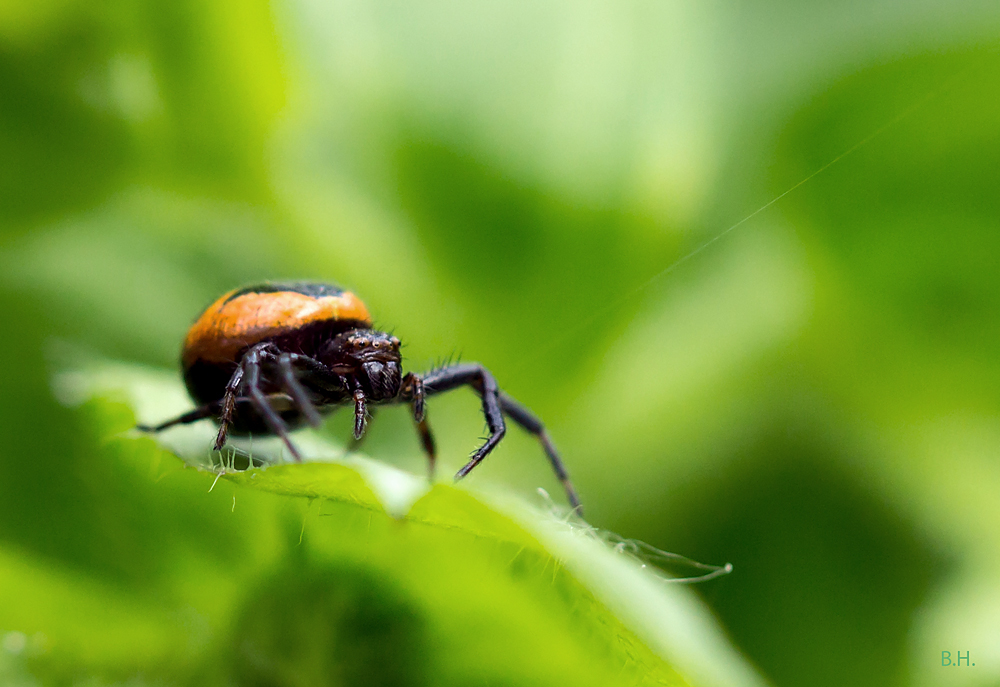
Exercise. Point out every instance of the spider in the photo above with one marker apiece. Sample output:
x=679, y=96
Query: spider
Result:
x=267, y=358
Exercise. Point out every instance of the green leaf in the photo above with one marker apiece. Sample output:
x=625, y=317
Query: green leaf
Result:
x=423, y=584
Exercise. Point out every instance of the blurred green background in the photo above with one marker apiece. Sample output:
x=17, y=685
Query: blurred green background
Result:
x=814, y=397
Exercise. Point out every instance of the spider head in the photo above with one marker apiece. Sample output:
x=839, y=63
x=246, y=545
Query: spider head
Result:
x=376, y=361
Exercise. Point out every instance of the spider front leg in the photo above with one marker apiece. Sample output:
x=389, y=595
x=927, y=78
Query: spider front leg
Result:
x=524, y=417
x=495, y=404
x=480, y=379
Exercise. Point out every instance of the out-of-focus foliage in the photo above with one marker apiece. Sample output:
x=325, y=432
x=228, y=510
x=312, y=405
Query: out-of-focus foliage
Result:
x=812, y=397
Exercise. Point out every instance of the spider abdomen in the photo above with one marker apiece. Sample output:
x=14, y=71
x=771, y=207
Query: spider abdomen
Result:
x=298, y=316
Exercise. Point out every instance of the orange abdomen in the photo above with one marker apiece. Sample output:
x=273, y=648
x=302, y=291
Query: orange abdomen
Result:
x=248, y=316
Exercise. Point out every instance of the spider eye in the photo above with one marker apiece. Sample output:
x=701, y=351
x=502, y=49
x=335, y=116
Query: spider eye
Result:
x=377, y=344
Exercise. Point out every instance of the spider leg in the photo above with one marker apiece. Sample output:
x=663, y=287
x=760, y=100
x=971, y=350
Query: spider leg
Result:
x=360, y=413
x=295, y=389
x=413, y=391
x=248, y=374
x=230, y=395
x=494, y=401
x=251, y=362
x=201, y=413
x=355, y=444
x=427, y=439
x=480, y=379
x=530, y=422
x=228, y=406
x=318, y=374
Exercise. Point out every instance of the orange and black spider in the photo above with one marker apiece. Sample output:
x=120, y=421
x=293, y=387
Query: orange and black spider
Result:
x=266, y=358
